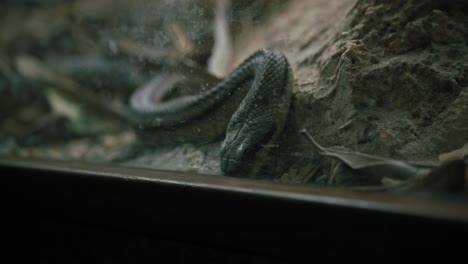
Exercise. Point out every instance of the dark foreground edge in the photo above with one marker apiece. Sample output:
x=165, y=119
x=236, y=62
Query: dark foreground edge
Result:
x=77, y=208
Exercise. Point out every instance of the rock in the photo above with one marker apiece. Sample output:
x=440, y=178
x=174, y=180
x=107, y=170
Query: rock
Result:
x=384, y=78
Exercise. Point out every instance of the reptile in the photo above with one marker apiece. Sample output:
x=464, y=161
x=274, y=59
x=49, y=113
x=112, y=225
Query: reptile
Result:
x=248, y=108
x=258, y=92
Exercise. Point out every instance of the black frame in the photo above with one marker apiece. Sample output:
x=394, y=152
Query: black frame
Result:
x=239, y=215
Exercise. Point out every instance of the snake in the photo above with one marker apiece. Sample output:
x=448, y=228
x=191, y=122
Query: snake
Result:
x=259, y=92
x=247, y=109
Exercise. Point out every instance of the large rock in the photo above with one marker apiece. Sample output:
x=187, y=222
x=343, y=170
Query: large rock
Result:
x=383, y=77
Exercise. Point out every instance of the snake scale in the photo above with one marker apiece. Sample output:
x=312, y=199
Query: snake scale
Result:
x=258, y=117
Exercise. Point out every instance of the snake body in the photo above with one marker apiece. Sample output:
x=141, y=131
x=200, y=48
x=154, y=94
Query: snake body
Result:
x=264, y=82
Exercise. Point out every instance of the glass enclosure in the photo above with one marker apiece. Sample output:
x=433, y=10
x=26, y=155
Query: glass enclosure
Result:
x=363, y=95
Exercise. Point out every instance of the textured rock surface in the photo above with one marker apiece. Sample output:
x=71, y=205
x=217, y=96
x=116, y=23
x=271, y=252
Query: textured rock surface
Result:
x=387, y=78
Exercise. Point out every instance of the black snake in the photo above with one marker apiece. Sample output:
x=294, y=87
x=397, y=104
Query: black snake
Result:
x=249, y=107
x=264, y=81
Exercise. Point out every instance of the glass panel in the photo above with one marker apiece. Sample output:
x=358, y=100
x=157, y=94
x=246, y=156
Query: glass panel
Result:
x=365, y=95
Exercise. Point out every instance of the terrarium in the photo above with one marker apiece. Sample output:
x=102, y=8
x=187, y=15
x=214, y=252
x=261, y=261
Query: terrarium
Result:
x=337, y=102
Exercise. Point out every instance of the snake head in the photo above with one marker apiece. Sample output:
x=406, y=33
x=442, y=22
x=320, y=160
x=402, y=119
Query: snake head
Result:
x=240, y=147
